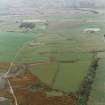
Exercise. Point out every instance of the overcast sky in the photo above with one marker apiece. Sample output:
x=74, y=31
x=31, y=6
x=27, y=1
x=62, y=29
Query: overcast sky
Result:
x=6, y=3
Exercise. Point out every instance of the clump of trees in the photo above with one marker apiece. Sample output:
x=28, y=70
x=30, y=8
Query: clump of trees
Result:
x=27, y=26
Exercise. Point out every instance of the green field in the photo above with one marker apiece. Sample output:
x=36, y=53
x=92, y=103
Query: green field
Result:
x=11, y=42
x=69, y=76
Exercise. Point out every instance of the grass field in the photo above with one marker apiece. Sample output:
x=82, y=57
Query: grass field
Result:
x=65, y=73
x=10, y=43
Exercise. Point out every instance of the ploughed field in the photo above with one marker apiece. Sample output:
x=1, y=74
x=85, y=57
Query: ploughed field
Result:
x=51, y=64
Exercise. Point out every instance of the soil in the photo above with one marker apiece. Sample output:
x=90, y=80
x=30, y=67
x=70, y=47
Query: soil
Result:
x=39, y=98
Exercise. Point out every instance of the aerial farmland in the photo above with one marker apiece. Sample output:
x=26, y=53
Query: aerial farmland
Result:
x=52, y=56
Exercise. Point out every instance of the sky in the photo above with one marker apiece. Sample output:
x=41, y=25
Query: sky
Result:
x=6, y=3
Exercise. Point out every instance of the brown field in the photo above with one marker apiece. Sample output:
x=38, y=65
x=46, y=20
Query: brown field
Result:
x=39, y=98
x=4, y=65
